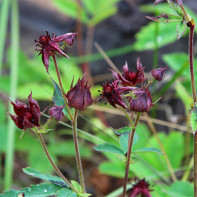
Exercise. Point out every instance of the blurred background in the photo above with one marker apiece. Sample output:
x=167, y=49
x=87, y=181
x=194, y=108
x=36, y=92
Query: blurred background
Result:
x=121, y=30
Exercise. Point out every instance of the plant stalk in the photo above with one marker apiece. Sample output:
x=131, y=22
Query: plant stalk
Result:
x=130, y=144
x=13, y=91
x=191, y=58
x=39, y=135
x=61, y=88
x=78, y=158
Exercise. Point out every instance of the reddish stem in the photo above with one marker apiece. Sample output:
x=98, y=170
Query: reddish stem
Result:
x=130, y=144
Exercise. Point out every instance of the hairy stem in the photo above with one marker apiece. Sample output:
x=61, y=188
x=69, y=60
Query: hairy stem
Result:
x=130, y=144
x=51, y=161
x=61, y=88
x=78, y=158
x=191, y=57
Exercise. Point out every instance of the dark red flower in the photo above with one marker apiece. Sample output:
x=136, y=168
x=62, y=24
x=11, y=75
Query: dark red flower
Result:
x=158, y=73
x=112, y=92
x=27, y=116
x=141, y=187
x=56, y=112
x=131, y=78
x=49, y=45
x=142, y=101
x=79, y=96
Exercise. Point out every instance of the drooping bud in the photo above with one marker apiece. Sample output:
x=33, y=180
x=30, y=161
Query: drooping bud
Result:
x=142, y=101
x=56, y=112
x=79, y=96
x=158, y=73
x=27, y=116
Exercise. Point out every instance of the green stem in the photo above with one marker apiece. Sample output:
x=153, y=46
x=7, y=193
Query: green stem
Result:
x=78, y=158
x=129, y=119
x=61, y=88
x=3, y=28
x=130, y=144
x=39, y=135
x=14, y=79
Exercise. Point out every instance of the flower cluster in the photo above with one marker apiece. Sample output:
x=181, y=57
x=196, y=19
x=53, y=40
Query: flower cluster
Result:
x=27, y=115
x=139, y=99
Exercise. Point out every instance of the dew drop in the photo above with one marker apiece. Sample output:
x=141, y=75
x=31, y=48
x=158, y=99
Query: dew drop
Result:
x=45, y=190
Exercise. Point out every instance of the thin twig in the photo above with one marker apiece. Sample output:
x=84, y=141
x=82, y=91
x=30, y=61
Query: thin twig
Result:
x=61, y=88
x=153, y=120
x=39, y=135
x=130, y=144
x=78, y=158
x=107, y=59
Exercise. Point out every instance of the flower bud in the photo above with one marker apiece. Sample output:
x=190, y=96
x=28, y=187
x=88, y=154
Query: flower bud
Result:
x=142, y=101
x=158, y=73
x=79, y=96
x=56, y=112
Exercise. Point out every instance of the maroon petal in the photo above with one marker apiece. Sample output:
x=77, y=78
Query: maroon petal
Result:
x=45, y=58
x=33, y=103
x=27, y=124
x=67, y=38
x=17, y=120
x=19, y=108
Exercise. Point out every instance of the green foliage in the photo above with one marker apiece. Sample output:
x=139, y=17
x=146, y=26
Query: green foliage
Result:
x=44, y=189
x=145, y=38
x=165, y=8
x=46, y=177
x=193, y=118
x=90, y=13
x=122, y=131
x=109, y=148
x=181, y=189
x=66, y=192
x=176, y=60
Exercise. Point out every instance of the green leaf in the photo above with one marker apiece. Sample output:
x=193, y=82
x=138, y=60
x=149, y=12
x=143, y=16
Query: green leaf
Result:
x=122, y=131
x=41, y=190
x=145, y=39
x=108, y=148
x=47, y=177
x=148, y=150
x=66, y=193
x=184, y=95
x=71, y=8
x=181, y=189
x=58, y=98
x=115, y=169
x=76, y=185
x=193, y=118
x=123, y=140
